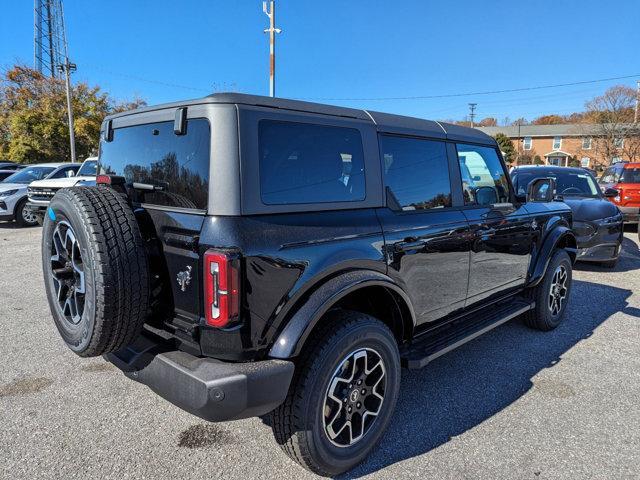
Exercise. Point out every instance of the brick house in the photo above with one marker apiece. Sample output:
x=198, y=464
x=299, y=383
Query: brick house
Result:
x=559, y=144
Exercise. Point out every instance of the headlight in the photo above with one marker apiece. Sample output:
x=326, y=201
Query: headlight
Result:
x=617, y=218
x=583, y=229
x=7, y=193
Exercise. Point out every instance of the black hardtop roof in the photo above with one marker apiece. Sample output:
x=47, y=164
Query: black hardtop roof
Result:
x=385, y=122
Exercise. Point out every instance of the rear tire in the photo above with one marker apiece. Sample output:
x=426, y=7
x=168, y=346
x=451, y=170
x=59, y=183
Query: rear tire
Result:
x=310, y=426
x=551, y=294
x=95, y=270
x=24, y=216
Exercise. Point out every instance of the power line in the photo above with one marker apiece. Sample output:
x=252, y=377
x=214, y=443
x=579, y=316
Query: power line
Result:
x=468, y=94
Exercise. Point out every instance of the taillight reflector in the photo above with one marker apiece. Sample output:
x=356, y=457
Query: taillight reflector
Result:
x=103, y=180
x=221, y=288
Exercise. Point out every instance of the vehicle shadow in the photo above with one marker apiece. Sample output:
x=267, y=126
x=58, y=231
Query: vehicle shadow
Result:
x=464, y=388
x=629, y=260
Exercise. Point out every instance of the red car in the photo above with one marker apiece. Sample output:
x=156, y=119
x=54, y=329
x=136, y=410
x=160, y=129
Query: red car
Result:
x=625, y=178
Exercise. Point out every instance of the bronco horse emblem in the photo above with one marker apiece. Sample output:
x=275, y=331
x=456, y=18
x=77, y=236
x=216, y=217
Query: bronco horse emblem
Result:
x=184, y=278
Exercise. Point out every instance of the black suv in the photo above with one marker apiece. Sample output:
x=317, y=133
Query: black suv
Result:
x=245, y=256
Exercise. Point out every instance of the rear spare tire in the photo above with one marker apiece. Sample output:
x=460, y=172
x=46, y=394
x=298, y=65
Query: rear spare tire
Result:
x=95, y=269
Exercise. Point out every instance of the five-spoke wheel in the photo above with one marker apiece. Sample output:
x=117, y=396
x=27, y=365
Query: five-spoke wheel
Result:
x=67, y=272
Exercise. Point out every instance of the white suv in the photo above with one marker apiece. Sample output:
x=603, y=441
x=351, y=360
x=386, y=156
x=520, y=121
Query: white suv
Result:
x=42, y=191
x=13, y=190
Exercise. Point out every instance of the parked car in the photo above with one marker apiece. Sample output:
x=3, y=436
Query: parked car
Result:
x=6, y=173
x=245, y=256
x=597, y=222
x=11, y=166
x=41, y=192
x=13, y=190
x=625, y=178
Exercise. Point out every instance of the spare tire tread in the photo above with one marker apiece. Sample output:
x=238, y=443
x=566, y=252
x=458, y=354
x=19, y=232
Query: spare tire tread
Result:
x=121, y=271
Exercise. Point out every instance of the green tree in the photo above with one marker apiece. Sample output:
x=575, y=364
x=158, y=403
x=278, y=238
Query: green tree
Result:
x=33, y=116
x=537, y=160
x=506, y=147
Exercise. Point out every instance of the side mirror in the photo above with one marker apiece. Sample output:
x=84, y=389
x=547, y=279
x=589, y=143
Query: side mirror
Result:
x=70, y=173
x=611, y=192
x=541, y=190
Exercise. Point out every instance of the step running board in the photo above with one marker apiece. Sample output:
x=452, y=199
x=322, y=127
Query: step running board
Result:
x=430, y=346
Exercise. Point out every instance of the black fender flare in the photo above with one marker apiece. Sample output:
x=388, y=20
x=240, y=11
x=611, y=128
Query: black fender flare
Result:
x=290, y=341
x=559, y=234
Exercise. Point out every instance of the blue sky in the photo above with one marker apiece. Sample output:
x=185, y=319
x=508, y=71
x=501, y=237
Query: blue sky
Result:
x=357, y=49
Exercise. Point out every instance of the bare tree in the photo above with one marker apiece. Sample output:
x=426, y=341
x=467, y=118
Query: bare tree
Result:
x=615, y=134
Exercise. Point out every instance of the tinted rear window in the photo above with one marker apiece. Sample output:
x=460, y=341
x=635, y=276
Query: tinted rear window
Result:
x=305, y=163
x=152, y=155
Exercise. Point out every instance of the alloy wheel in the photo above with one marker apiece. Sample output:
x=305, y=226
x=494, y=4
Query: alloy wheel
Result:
x=354, y=397
x=558, y=290
x=67, y=272
x=28, y=215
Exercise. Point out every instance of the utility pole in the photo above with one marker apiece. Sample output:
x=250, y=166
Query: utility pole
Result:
x=635, y=116
x=472, y=115
x=272, y=30
x=67, y=68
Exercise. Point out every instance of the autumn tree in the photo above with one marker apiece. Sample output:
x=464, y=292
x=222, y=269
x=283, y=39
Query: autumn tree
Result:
x=548, y=120
x=616, y=134
x=33, y=117
x=488, y=122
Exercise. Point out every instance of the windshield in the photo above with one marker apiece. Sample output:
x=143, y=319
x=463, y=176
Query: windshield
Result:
x=567, y=183
x=29, y=174
x=88, y=169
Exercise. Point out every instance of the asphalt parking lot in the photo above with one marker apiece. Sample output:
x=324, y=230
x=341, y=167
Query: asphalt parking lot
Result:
x=512, y=404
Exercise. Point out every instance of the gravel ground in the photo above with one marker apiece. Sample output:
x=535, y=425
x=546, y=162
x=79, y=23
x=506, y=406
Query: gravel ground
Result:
x=512, y=404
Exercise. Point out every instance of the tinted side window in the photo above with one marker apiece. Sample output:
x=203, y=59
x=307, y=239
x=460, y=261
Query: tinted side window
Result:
x=416, y=171
x=630, y=175
x=305, y=163
x=484, y=180
x=173, y=168
x=64, y=172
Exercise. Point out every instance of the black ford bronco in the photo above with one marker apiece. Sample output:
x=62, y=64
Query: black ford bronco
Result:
x=245, y=256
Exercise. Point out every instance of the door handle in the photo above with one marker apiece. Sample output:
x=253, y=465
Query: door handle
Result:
x=410, y=243
x=485, y=233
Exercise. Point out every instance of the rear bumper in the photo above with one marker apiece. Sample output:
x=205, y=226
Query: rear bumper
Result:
x=210, y=389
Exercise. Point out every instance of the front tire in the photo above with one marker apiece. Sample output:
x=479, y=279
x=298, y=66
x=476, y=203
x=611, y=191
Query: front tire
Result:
x=25, y=217
x=551, y=294
x=342, y=395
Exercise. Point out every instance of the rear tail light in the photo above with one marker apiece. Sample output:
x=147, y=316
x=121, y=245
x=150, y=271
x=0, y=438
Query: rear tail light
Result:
x=221, y=288
x=103, y=180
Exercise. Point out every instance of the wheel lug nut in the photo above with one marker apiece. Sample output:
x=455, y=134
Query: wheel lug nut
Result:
x=358, y=405
x=349, y=410
x=363, y=391
x=359, y=382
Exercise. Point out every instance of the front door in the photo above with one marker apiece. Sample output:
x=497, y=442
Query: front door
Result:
x=500, y=231
x=426, y=236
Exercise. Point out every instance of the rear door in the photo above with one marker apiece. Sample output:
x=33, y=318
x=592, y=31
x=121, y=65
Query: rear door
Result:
x=167, y=177
x=425, y=231
x=500, y=230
